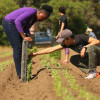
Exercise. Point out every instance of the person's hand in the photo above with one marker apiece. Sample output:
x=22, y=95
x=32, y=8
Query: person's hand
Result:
x=83, y=52
x=28, y=38
x=32, y=54
x=57, y=37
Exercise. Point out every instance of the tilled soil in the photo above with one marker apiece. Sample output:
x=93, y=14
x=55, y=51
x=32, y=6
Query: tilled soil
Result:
x=41, y=86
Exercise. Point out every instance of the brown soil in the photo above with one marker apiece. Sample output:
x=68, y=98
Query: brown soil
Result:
x=92, y=85
x=41, y=85
x=5, y=59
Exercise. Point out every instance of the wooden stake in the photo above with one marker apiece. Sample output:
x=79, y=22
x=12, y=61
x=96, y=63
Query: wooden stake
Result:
x=24, y=60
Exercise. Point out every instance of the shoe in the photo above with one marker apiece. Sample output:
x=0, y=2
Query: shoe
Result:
x=66, y=61
x=92, y=74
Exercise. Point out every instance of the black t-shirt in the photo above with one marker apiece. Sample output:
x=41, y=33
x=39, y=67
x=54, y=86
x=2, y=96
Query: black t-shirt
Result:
x=80, y=41
x=63, y=19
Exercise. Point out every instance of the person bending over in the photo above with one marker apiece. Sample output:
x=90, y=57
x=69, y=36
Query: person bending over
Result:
x=19, y=22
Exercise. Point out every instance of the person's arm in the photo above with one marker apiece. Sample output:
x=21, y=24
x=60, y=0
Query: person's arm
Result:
x=62, y=27
x=20, y=19
x=91, y=41
x=26, y=38
x=23, y=17
x=48, y=50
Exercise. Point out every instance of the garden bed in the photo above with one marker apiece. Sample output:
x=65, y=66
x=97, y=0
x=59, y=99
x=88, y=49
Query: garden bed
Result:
x=43, y=84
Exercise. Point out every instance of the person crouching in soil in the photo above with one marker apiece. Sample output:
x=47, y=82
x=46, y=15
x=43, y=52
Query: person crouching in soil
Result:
x=87, y=47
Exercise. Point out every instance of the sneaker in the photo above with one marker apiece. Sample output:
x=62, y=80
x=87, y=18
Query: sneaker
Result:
x=92, y=74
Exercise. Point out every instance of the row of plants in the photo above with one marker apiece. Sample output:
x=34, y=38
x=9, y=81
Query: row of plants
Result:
x=8, y=62
x=59, y=88
x=58, y=84
x=6, y=54
x=29, y=62
x=83, y=93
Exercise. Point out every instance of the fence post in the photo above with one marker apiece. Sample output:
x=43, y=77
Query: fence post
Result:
x=24, y=60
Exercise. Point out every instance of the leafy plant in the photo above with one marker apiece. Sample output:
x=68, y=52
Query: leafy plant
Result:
x=29, y=62
x=56, y=54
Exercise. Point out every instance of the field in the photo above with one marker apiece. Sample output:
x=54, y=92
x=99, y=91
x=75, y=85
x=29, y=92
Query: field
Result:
x=50, y=80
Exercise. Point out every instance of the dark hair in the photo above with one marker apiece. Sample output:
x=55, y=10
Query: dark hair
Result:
x=62, y=10
x=47, y=9
x=72, y=36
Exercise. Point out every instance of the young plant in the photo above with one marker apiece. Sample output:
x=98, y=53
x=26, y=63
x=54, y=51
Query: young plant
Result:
x=29, y=62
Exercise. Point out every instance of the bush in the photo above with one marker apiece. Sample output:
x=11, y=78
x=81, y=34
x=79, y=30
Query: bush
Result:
x=6, y=6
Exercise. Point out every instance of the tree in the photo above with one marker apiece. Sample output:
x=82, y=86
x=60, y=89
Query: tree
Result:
x=79, y=14
x=21, y=3
x=36, y=3
x=5, y=8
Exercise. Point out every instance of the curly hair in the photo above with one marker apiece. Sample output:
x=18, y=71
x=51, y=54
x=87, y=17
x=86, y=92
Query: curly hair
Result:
x=47, y=9
x=62, y=10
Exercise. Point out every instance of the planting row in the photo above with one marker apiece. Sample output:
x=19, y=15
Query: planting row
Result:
x=58, y=83
x=6, y=54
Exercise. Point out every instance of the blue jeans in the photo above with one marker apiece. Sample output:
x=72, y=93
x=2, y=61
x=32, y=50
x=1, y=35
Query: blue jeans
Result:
x=15, y=41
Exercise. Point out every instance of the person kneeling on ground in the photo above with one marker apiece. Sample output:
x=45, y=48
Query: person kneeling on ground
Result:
x=87, y=47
